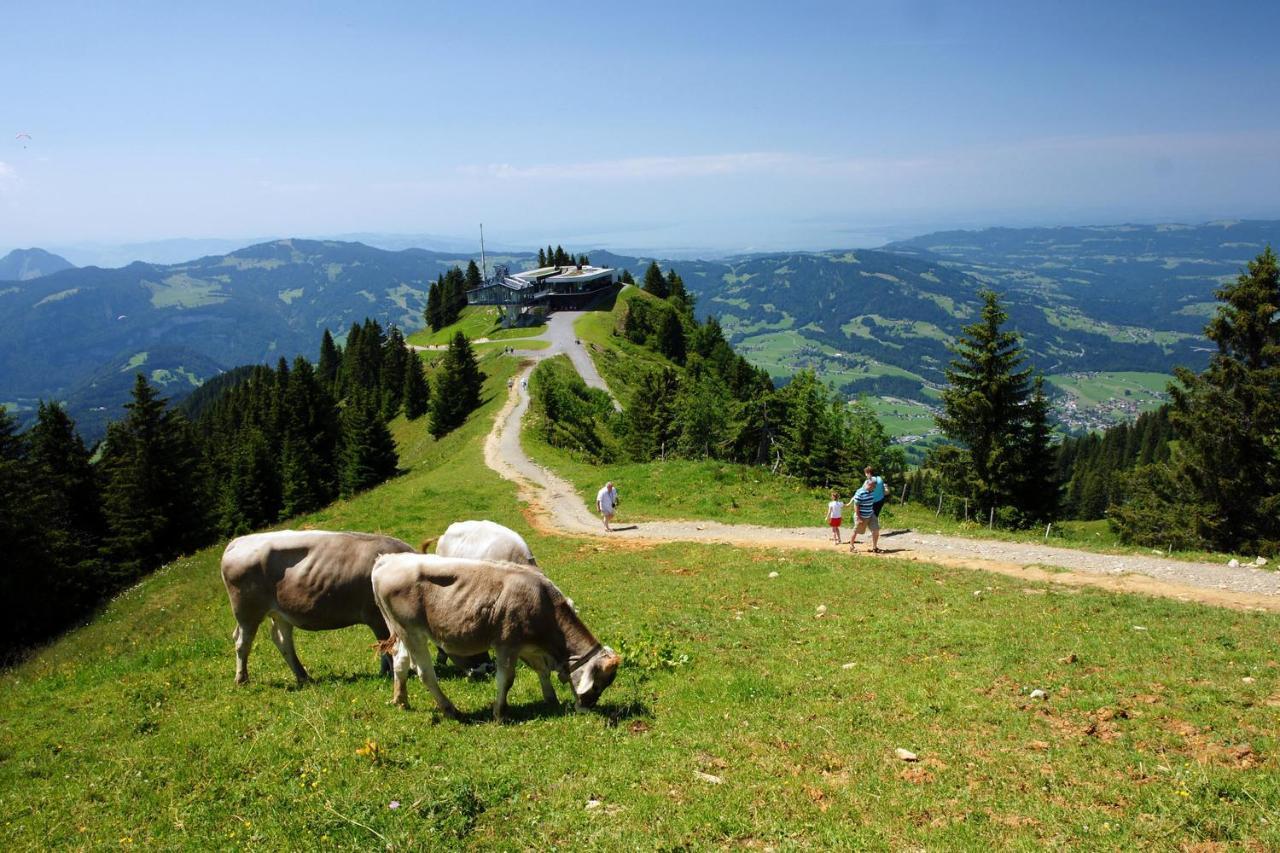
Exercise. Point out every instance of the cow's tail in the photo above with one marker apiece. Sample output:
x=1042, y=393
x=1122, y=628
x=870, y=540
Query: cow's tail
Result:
x=387, y=646
x=428, y=544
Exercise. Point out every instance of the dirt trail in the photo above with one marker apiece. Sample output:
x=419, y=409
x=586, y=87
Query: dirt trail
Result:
x=556, y=508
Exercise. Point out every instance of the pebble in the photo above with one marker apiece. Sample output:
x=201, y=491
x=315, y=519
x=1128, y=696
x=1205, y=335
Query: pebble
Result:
x=1039, y=694
x=1248, y=679
x=850, y=665
x=708, y=777
x=1261, y=561
x=773, y=574
x=593, y=804
x=1139, y=628
x=822, y=608
x=1233, y=563
x=905, y=754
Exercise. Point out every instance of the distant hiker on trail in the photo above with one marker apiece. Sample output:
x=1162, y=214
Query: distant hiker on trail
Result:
x=606, y=503
x=865, y=501
x=879, y=489
x=524, y=383
x=835, y=514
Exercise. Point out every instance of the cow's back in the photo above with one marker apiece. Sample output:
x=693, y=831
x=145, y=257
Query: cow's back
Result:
x=316, y=579
x=468, y=604
x=484, y=540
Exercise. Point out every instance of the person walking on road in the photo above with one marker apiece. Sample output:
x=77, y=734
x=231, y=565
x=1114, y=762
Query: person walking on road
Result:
x=607, y=503
x=835, y=515
x=864, y=500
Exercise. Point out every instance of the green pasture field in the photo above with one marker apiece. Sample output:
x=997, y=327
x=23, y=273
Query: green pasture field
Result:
x=902, y=417
x=477, y=321
x=749, y=712
x=1147, y=390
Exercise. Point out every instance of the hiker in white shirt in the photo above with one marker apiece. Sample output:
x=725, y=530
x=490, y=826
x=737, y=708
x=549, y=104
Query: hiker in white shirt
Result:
x=607, y=502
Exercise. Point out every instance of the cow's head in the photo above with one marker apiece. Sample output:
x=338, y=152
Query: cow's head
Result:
x=591, y=679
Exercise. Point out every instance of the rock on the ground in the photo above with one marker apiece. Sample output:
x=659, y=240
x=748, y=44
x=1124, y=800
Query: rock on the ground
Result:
x=905, y=754
x=1233, y=563
x=708, y=777
x=773, y=574
x=1039, y=694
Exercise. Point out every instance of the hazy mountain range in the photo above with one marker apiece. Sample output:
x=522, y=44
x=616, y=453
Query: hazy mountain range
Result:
x=26, y=264
x=1126, y=298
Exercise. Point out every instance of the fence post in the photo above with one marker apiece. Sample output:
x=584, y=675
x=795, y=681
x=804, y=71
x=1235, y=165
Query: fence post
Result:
x=905, y=489
x=966, y=509
x=991, y=522
x=1046, y=531
x=939, y=512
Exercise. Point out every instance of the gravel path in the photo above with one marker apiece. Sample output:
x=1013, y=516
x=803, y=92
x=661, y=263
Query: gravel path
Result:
x=558, y=509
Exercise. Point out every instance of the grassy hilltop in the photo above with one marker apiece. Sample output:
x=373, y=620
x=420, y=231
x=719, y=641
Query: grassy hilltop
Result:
x=744, y=715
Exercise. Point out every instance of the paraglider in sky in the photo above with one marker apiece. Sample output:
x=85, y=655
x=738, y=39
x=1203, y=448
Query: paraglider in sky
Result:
x=24, y=138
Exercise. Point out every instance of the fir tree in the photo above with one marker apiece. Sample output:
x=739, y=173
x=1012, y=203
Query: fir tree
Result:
x=368, y=450
x=542, y=258
x=626, y=277
x=1228, y=420
x=984, y=405
x=671, y=338
x=417, y=392
x=648, y=421
x=26, y=597
x=156, y=494
x=654, y=282
x=458, y=382
x=473, y=280
x=679, y=296
x=395, y=362
x=435, y=300
x=330, y=361
x=1037, y=489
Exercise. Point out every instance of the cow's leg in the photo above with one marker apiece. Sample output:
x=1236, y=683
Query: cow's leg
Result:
x=282, y=634
x=538, y=665
x=504, y=674
x=420, y=652
x=243, y=636
x=399, y=686
x=381, y=633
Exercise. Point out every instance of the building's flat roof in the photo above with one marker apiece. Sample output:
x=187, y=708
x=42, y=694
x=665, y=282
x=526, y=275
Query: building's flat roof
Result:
x=565, y=274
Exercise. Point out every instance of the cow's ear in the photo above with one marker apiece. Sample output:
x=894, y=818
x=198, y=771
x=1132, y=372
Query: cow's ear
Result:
x=583, y=680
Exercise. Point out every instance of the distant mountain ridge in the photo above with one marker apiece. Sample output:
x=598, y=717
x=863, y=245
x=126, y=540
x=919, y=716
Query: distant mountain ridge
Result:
x=79, y=334
x=26, y=264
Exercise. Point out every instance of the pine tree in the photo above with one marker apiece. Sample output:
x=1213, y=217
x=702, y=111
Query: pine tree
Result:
x=671, y=338
x=626, y=277
x=678, y=295
x=368, y=450
x=551, y=256
x=1037, y=489
x=648, y=420
x=984, y=405
x=310, y=429
x=473, y=280
x=1228, y=420
x=458, y=382
x=395, y=362
x=26, y=597
x=156, y=494
x=542, y=258
x=435, y=300
x=417, y=392
x=250, y=495
x=330, y=361
x=654, y=282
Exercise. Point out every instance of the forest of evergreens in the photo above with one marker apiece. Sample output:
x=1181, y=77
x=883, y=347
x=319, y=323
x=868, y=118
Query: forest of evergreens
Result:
x=258, y=446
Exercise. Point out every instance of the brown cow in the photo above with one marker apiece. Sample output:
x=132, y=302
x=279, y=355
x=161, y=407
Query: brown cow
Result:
x=309, y=579
x=467, y=606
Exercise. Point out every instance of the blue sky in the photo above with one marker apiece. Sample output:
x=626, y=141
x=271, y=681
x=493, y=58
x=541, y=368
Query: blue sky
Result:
x=719, y=125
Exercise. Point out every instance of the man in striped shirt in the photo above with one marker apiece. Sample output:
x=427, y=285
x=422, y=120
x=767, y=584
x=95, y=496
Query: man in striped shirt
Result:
x=864, y=501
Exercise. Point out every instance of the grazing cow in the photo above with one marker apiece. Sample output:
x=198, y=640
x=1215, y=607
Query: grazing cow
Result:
x=309, y=579
x=479, y=540
x=467, y=606
x=483, y=540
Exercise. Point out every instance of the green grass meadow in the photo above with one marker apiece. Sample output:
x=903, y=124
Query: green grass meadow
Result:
x=751, y=711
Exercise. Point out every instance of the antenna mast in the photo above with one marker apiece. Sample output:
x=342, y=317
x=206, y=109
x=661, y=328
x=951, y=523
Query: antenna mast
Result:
x=484, y=267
